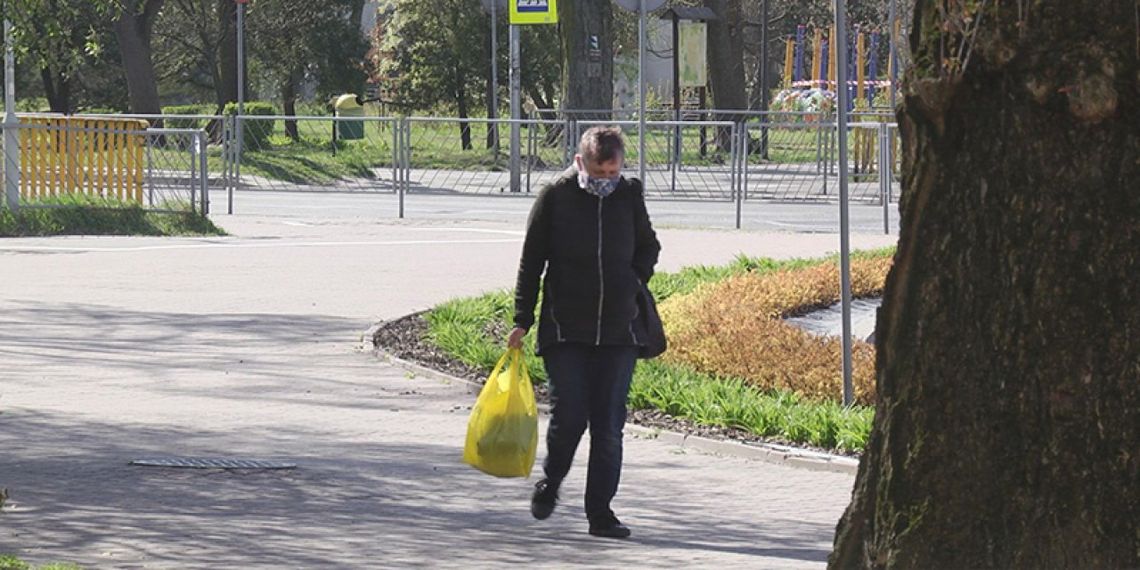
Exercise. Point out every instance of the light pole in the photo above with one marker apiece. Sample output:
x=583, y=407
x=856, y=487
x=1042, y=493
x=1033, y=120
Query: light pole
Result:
x=11, y=136
x=516, y=108
x=641, y=93
x=842, y=97
x=495, y=75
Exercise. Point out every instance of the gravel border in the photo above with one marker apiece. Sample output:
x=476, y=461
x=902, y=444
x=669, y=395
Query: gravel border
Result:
x=403, y=342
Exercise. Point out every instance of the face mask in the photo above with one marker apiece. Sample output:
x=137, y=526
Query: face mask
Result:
x=600, y=187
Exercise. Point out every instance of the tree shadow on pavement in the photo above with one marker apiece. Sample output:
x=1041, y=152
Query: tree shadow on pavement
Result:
x=387, y=489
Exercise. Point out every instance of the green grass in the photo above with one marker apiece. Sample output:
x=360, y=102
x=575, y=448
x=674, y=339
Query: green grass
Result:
x=9, y=562
x=472, y=330
x=731, y=402
x=79, y=215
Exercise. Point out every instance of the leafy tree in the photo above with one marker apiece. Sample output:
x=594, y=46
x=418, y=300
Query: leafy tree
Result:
x=60, y=37
x=316, y=40
x=435, y=57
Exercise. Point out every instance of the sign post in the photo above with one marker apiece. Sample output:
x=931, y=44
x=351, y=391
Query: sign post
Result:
x=523, y=12
x=238, y=125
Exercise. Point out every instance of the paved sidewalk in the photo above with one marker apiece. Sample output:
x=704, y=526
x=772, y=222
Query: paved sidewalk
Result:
x=121, y=348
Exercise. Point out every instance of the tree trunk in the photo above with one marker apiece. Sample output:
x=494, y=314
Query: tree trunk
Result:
x=464, y=126
x=227, y=87
x=1008, y=369
x=726, y=63
x=133, y=30
x=57, y=89
x=587, y=84
x=289, y=104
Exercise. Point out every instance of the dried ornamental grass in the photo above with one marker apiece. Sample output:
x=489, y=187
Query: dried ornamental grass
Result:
x=734, y=328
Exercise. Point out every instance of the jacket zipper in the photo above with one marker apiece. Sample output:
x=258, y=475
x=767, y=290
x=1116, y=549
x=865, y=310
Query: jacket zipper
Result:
x=601, y=275
x=636, y=314
x=557, y=325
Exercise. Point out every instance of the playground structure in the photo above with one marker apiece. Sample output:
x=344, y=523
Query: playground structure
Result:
x=110, y=160
x=813, y=89
x=863, y=65
x=102, y=158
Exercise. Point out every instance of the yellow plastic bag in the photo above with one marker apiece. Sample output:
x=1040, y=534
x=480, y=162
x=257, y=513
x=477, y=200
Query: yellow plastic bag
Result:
x=502, y=433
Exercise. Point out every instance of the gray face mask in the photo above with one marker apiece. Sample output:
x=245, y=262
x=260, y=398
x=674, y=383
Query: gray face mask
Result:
x=601, y=187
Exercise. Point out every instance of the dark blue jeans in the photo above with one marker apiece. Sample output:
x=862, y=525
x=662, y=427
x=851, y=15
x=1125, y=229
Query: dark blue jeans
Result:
x=589, y=387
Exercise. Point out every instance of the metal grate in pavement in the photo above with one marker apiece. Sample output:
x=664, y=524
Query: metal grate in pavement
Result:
x=211, y=463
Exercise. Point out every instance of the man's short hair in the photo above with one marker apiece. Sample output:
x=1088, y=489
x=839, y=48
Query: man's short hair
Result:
x=601, y=144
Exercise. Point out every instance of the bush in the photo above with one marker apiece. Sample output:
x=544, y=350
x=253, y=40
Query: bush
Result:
x=32, y=105
x=186, y=110
x=256, y=133
x=734, y=328
x=101, y=111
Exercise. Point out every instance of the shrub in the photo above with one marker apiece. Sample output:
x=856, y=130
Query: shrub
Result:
x=186, y=110
x=256, y=133
x=734, y=328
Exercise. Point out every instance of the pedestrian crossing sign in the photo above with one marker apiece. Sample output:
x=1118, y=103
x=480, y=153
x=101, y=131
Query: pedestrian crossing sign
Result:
x=534, y=12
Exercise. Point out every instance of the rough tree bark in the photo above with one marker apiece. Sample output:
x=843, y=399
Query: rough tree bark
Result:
x=461, y=104
x=1008, y=419
x=587, y=84
x=289, y=94
x=226, y=87
x=726, y=63
x=134, y=29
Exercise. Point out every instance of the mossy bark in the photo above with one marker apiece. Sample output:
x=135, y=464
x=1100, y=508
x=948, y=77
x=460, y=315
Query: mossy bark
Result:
x=1007, y=432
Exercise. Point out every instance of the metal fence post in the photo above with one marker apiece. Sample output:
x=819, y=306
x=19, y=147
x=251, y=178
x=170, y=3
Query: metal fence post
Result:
x=677, y=153
x=746, y=167
x=568, y=138
x=395, y=156
x=148, y=142
x=203, y=167
x=241, y=144
x=741, y=145
x=406, y=129
x=193, y=148
x=885, y=174
x=531, y=150
x=229, y=151
x=734, y=158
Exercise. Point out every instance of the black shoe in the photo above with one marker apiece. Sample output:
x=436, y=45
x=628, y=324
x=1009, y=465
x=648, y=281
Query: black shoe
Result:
x=608, y=527
x=544, y=498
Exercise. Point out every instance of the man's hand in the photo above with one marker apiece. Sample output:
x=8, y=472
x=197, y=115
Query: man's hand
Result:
x=516, y=337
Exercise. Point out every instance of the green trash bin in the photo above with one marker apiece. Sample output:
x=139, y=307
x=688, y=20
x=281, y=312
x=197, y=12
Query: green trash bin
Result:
x=348, y=105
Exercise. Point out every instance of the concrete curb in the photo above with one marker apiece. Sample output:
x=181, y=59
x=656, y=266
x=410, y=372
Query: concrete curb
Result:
x=767, y=452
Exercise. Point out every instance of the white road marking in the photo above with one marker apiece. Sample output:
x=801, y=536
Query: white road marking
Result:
x=35, y=248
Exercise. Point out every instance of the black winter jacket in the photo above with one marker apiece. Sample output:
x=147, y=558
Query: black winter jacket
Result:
x=596, y=253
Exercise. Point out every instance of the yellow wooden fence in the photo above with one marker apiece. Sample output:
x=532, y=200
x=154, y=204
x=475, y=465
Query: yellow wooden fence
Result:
x=91, y=157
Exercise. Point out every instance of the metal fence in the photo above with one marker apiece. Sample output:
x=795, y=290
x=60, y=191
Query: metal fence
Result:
x=312, y=154
x=754, y=157
x=473, y=156
x=61, y=161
